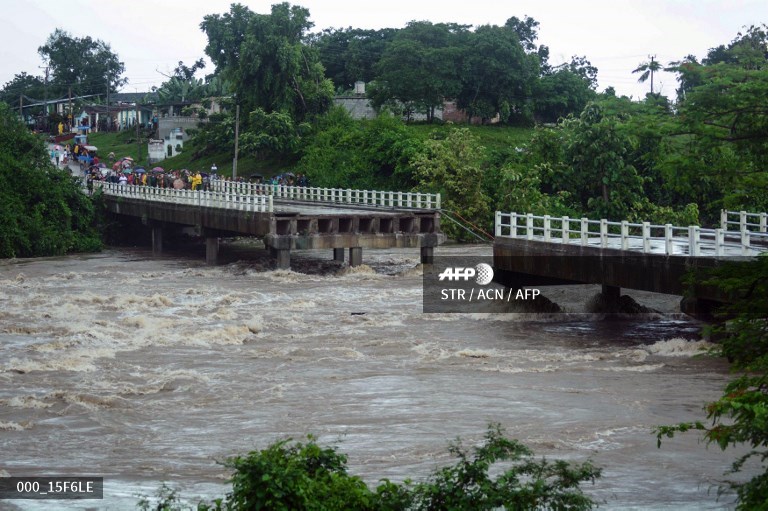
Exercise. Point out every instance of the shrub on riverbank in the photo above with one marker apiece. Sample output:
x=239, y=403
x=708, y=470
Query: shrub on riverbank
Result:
x=43, y=211
x=291, y=475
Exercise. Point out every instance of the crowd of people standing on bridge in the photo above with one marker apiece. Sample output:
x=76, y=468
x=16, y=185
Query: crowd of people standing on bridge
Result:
x=183, y=179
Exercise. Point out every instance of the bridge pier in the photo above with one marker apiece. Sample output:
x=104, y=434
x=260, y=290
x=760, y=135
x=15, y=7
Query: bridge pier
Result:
x=338, y=254
x=211, y=250
x=157, y=239
x=283, y=256
x=611, y=294
x=355, y=256
x=427, y=255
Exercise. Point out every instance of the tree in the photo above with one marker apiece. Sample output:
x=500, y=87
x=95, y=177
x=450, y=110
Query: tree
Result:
x=43, y=209
x=418, y=69
x=87, y=66
x=740, y=416
x=598, y=173
x=565, y=89
x=452, y=167
x=500, y=473
x=351, y=54
x=648, y=69
x=497, y=76
x=265, y=59
x=31, y=88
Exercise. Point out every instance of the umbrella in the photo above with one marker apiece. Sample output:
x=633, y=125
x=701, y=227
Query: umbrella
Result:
x=102, y=165
x=140, y=171
x=256, y=176
x=57, y=148
x=126, y=158
x=203, y=174
x=178, y=184
x=116, y=166
x=158, y=169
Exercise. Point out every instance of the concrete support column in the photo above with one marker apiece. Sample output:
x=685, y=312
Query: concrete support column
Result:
x=338, y=254
x=355, y=256
x=211, y=250
x=427, y=255
x=283, y=256
x=611, y=294
x=157, y=239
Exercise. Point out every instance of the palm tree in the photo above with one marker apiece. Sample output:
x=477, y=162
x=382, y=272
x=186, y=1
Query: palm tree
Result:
x=648, y=68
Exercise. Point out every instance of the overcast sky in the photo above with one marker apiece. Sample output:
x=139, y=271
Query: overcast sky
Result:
x=150, y=37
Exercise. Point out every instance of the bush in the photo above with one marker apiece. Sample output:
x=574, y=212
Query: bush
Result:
x=290, y=475
x=43, y=209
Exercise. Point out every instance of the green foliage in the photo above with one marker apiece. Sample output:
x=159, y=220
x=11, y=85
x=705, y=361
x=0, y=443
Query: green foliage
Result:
x=451, y=167
x=43, y=210
x=418, y=69
x=295, y=476
x=292, y=475
x=265, y=59
x=86, y=65
x=740, y=416
x=497, y=75
x=597, y=173
x=344, y=153
x=273, y=132
x=524, y=483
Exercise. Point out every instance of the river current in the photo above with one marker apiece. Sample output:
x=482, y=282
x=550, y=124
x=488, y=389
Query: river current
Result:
x=146, y=369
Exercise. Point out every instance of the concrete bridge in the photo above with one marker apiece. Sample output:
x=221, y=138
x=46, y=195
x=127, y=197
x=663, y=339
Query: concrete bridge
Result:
x=532, y=250
x=287, y=217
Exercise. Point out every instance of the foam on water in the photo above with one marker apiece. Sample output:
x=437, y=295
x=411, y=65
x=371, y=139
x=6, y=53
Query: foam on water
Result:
x=679, y=347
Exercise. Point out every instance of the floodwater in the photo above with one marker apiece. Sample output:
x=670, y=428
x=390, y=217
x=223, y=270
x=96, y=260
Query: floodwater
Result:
x=147, y=369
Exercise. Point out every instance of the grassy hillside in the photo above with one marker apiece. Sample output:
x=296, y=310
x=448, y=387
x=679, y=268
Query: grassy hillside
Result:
x=494, y=138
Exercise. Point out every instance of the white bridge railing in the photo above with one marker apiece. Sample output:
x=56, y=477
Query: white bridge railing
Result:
x=756, y=222
x=642, y=237
x=411, y=200
x=213, y=199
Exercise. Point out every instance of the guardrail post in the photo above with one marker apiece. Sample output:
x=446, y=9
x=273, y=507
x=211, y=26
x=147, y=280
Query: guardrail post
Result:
x=719, y=242
x=745, y=242
x=743, y=221
x=565, y=229
x=497, y=224
x=603, y=232
x=547, y=226
x=646, y=237
x=513, y=225
x=763, y=222
x=624, y=235
x=584, y=231
x=724, y=219
x=693, y=240
x=529, y=226
x=438, y=201
x=668, y=237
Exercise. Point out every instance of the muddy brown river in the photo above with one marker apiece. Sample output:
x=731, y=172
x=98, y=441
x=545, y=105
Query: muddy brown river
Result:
x=147, y=369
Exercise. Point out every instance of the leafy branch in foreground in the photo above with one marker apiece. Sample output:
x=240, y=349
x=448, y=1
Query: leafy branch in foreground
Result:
x=740, y=416
x=290, y=475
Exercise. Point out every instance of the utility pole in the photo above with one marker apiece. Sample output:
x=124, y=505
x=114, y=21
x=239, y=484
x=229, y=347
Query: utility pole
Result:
x=652, y=57
x=45, y=88
x=109, y=117
x=138, y=136
x=70, y=107
x=21, y=108
x=237, y=136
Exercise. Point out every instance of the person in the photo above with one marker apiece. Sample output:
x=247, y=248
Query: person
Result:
x=89, y=182
x=197, y=180
x=56, y=156
x=214, y=169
